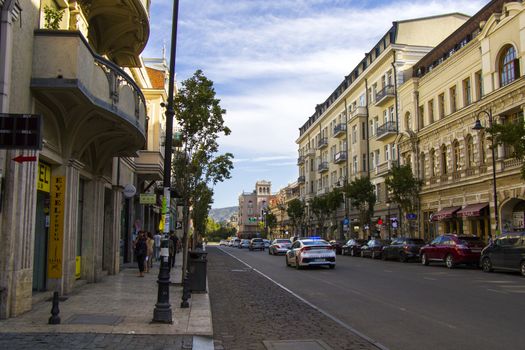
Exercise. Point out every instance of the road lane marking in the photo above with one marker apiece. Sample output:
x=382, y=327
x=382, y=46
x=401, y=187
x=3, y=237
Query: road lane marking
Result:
x=430, y=278
x=333, y=318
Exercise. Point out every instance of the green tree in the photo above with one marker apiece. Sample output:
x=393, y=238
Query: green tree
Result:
x=203, y=199
x=321, y=210
x=362, y=197
x=333, y=202
x=404, y=190
x=271, y=221
x=511, y=133
x=200, y=119
x=295, y=212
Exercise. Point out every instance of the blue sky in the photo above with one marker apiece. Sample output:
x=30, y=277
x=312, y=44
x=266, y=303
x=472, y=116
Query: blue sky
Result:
x=271, y=62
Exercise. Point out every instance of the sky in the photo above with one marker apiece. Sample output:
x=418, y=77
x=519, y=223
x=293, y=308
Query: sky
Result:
x=271, y=63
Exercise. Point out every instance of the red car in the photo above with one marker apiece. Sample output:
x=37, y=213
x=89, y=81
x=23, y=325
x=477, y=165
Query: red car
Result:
x=452, y=250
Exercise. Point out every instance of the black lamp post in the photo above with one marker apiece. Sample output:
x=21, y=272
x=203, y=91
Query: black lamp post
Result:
x=162, y=312
x=389, y=220
x=478, y=127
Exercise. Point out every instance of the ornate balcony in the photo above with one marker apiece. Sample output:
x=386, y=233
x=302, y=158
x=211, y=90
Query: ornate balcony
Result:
x=340, y=130
x=322, y=167
x=118, y=28
x=323, y=142
x=383, y=168
x=385, y=130
x=149, y=165
x=340, y=157
x=309, y=153
x=384, y=95
x=301, y=179
x=358, y=112
x=300, y=160
x=88, y=98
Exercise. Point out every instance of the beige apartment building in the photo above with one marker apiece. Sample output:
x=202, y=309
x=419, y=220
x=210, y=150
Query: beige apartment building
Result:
x=251, y=206
x=278, y=207
x=353, y=132
x=69, y=216
x=475, y=73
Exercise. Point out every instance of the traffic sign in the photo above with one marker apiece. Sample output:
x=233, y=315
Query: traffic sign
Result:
x=411, y=216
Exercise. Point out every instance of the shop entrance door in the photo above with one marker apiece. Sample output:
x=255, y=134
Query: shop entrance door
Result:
x=41, y=237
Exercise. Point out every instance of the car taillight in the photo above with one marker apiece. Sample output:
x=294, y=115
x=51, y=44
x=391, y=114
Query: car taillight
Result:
x=330, y=248
x=305, y=249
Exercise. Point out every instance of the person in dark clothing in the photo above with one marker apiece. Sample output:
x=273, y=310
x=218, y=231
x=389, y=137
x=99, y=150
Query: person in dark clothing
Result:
x=174, y=241
x=141, y=251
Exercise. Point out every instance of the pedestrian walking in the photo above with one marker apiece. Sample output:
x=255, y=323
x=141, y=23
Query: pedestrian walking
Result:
x=141, y=250
x=156, y=248
x=149, y=258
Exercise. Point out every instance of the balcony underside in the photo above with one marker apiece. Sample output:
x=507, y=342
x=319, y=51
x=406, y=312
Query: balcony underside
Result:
x=149, y=165
x=119, y=29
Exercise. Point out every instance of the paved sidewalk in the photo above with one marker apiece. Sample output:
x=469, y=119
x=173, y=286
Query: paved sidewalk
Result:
x=120, y=304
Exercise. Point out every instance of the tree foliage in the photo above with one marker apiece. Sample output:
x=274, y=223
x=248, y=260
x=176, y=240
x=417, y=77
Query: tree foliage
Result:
x=403, y=187
x=196, y=162
x=271, y=221
x=362, y=197
x=295, y=211
x=203, y=199
x=511, y=134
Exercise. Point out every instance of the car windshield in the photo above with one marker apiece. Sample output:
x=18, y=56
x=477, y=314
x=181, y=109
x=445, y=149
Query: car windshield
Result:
x=312, y=243
x=257, y=240
x=282, y=241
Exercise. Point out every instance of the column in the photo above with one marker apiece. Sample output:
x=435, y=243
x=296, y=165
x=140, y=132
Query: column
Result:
x=113, y=227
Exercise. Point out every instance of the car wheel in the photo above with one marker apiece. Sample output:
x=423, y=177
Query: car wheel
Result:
x=402, y=257
x=362, y=254
x=486, y=265
x=331, y=267
x=424, y=259
x=522, y=268
x=449, y=261
x=297, y=266
x=352, y=252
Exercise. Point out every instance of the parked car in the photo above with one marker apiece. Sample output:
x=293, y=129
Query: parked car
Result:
x=507, y=252
x=235, y=242
x=244, y=243
x=266, y=243
x=256, y=243
x=453, y=250
x=338, y=245
x=224, y=242
x=310, y=252
x=279, y=246
x=403, y=249
x=353, y=247
x=373, y=248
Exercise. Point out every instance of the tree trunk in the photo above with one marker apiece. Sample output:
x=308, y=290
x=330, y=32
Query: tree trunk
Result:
x=185, y=225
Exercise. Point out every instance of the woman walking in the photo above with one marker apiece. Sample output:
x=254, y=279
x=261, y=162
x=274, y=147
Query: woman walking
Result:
x=141, y=250
x=149, y=258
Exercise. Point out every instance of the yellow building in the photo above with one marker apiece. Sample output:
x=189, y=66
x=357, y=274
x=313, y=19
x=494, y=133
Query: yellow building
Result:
x=475, y=73
x=353, y=132
x=70, y=214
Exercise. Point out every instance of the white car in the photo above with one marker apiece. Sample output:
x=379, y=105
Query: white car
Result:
x=279, y=246
x=224, y=242
x=310, y=252
x=235, y=242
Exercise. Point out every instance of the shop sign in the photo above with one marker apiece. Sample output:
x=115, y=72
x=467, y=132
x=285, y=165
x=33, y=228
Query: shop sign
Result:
x=129, y=191
x=43, y=180
x=56, y=229
x=148, y=198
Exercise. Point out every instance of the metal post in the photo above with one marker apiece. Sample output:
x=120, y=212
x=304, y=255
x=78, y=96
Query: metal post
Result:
x=389, y=221
x=478, y=127
x=162, y=311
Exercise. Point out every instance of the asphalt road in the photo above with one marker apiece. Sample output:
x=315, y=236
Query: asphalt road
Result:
x=406, y=305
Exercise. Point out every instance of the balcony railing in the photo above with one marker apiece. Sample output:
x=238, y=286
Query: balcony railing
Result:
x=512, y=163
x=322, y=167
x=340, y=130
x=323, y=142
x=309, y=153
x=301, y=179
x=443, y=178
x=340, y=157
x=386, y=129
x=384, y=95
x=383, y=168
x=300, y=160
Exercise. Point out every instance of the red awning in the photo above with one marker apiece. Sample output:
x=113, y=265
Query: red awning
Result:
x=472, y=209
x=445, y=213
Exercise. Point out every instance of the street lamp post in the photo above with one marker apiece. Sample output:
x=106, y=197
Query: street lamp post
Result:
x=342, y=180
x=478, y=127
x=388, y=221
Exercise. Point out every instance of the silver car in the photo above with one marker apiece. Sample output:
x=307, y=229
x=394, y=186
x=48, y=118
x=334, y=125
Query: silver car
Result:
x=279, y=246
x=245, y=243
x=256, y=243
x=310, y=252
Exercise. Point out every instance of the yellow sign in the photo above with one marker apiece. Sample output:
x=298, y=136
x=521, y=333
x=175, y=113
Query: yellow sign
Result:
x=56, y=228
x=43, y=179
x=77, y=267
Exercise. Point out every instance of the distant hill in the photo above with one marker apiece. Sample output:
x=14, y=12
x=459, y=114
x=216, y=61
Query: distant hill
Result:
x=223, y=214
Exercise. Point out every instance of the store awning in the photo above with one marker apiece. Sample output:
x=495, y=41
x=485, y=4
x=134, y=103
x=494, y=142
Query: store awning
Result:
x=445, y=213
x=472, y=209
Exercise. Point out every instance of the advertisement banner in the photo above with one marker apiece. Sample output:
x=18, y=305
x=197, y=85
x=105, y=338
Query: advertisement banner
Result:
x=56, y=228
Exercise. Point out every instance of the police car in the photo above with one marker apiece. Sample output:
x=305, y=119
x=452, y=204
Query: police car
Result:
x=311, y=251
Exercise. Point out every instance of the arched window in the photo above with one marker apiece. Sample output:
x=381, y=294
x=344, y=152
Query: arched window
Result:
x=432, y=163
x=456, y=157
x=509, y=66
x=444, y=169
x=408, y=121
x=469, y=161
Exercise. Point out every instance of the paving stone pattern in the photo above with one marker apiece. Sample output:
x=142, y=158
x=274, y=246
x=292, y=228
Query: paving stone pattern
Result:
x=63, y=341
x=248, y=309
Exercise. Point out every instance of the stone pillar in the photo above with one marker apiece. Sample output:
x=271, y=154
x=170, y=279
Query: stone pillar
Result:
x=113, y=227
x=92, y=237
x=17, y=222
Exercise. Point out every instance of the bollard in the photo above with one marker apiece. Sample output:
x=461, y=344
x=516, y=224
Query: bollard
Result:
x=186, y=292
x=162, y=311
x=54, y=319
